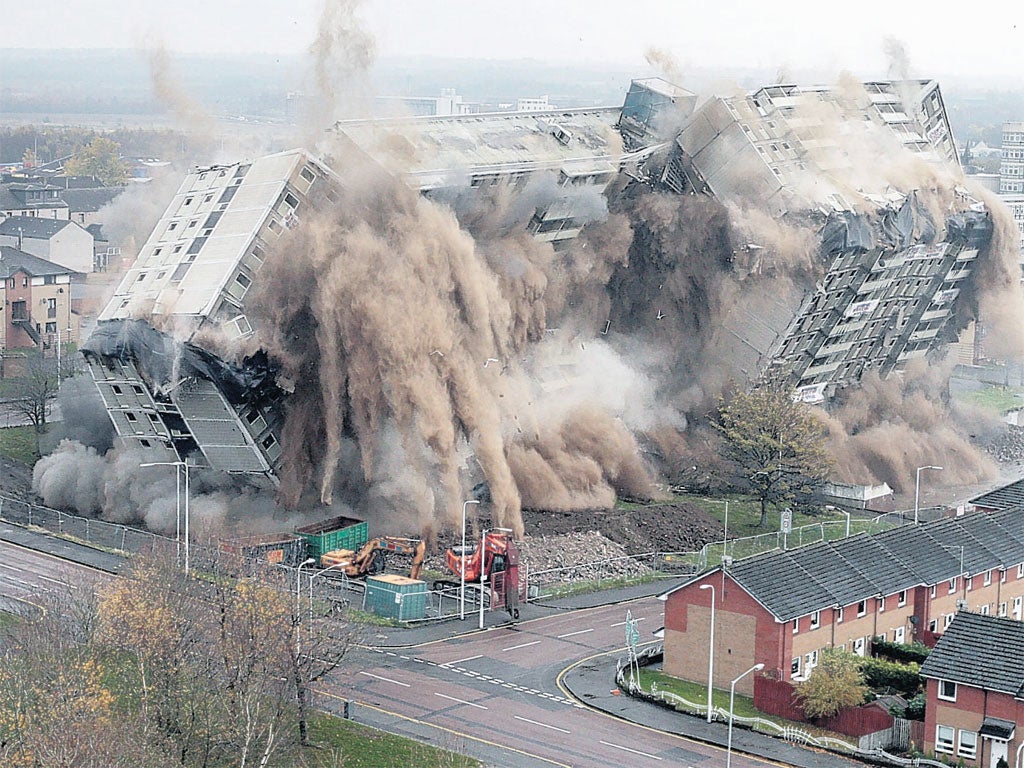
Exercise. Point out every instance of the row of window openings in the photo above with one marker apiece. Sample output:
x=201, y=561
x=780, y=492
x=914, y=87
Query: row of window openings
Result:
x=862, y=609
x=966, y=747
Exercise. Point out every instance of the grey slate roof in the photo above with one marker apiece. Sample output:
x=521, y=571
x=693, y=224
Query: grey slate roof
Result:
x=981, y=651
x=11, y=260
x=10, y=202
x=1011, y=495
x=32, y=226
x=800, y=581
x=89, y=200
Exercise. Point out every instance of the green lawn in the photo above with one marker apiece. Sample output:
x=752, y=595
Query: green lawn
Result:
x=997, y=400
x=359, y=746
x=18, y=443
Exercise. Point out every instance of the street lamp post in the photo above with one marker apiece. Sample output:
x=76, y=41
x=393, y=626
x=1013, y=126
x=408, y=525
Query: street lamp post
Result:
x=183, y=465
x=711, y=652
x=732, y=701
x=462, y=569
x=917, y=490
x=298, y=592
x=483, y=572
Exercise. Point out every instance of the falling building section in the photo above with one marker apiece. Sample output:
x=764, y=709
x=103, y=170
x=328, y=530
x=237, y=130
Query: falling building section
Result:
x=867, y=168
x=846, y=247
x=153, y=356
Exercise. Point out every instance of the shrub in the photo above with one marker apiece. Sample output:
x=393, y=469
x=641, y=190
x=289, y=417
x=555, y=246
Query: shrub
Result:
x=890, y=677
x=914, y=652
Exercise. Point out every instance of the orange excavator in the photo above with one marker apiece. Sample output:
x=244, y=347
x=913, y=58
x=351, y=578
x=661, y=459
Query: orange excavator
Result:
x=372, y=557
x=500, y=563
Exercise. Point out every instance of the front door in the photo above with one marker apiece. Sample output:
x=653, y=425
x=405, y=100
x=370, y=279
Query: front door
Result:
x=996, y=751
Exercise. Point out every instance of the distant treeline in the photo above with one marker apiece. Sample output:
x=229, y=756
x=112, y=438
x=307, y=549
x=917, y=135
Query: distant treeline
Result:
x=51, y=142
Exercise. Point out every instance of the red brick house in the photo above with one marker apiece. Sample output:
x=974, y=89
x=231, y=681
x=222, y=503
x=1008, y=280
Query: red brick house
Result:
x=782, y=608
x=975, y=689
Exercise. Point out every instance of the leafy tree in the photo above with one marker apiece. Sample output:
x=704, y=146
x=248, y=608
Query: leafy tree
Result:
x=33, y=390
x=100, y=158
x=835, y=684
x=777, y=444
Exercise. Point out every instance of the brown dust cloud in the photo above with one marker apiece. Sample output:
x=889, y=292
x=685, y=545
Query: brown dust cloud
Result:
x=437, y=352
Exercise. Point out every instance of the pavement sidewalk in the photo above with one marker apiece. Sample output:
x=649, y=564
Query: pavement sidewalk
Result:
x=592, y=681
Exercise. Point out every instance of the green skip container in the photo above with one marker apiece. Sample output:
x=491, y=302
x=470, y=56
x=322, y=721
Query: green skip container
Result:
x=396, y=597
x=336, y=533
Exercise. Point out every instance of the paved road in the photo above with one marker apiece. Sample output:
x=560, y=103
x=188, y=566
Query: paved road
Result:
x=496, y=695
x=28, y=577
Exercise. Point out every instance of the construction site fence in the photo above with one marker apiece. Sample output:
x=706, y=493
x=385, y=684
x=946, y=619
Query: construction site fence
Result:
x=627, y=679
x=98, y=533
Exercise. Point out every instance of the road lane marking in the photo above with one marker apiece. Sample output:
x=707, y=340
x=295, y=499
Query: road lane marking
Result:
x=542, y=725
x=55, y=581
x=463, y=661
x=517, y=647
x=467, y=703
x=572, y=634
x=622, y=623
x=634, y=751
x=386, y=679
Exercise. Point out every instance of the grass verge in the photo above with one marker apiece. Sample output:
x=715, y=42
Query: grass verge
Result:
x=18, y=443
x=342, y=742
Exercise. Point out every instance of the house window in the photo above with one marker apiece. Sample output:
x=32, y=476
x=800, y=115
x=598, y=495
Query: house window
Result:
x=933, y=625
x=947, y=690
x=1020, y=571
x=947, y=620
x=130, y=416
x=796, y=626
x=987, y=580
x=839, y=615
x=970, y=583
x=968, y=744
x=983, y=610
x=952, y=586
x=1002, y=576
x=815, y=620
x=899, y=635
x=51, y=328
x=794, y=667
x=1002, y=609
x=944, y=738
x=858, y=646
x=19, y=310
x=881, y=604
x=810, y=661
x=901, y=599
x=933, y=590
x=268, y=441
x=862, y=608
x=51, y=308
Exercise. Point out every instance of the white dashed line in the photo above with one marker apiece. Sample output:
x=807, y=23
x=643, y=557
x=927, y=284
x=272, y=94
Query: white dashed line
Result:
x=634, y=751
x=463, y=661
x=542, y=725
x=460, y=701
x=386, y=679
x=573, y=634
x=517, y=647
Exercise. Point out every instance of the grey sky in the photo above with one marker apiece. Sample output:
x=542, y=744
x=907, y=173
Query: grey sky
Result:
x=980, y=38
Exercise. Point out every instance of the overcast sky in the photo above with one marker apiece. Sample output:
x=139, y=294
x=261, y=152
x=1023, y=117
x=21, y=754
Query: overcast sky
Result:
x=975, y=39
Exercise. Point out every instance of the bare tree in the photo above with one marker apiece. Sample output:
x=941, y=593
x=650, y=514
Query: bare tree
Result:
x=33, y=391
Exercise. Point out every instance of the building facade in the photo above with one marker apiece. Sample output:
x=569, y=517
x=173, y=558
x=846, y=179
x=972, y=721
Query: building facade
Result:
x=975, y=692
x=58, y=240
x=36, y=303
x=783, y=608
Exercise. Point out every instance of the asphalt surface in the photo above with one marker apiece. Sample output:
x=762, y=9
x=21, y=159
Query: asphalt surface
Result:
x=588, y=683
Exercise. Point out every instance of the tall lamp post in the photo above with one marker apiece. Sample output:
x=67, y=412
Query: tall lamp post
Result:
x=711, y=652
x=462, y=569
x=298, y=592
x=732, y=700
x=184, y=465
x=917, y=490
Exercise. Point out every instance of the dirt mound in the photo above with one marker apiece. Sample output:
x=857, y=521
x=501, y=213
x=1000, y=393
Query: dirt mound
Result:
x=654, y=528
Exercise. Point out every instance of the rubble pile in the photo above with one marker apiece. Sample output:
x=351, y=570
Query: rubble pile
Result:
x=583, y=556
x=1009, y=446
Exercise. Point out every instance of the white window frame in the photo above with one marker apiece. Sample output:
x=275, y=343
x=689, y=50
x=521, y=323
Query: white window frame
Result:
x=815, y=620
x=860, y=646
x=798, y=663
x=839, y=615
x=881, y=603
x=796, y=626
x=985, y=582
x=970, y=583
x=933, y=590
x=952, y=585
x=945, y=745
x=1020, y=570
x=969, y=750
x=1002, y=609
x=947, y=620
x=942, y=692
x=862, y=608
x=899, y=635
x=901, y=599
